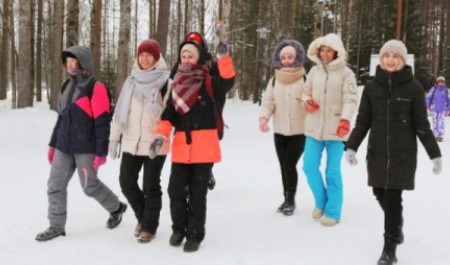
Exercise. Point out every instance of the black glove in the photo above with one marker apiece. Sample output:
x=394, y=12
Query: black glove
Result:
x=155, y=146
x=222, y=48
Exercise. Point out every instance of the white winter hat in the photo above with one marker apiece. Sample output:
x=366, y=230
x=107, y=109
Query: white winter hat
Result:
x=394, y=46
x=440, y=78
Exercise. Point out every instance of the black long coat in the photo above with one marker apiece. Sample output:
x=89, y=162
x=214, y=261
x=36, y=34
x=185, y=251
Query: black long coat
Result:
x=393, y=109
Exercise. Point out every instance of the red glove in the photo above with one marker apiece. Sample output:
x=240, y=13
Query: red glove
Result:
x=50, y=154
x=311, y=106
x=99, y=161
x=343, y=128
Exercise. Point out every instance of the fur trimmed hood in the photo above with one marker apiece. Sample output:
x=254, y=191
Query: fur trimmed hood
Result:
x=300, y=53
x=330, y=40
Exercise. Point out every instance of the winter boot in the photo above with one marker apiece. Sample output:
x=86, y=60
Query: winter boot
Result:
x=282, y=206
x=116, y=217
x=50, y=233
x=137, y=230
x=290, y=204
x=211, y=181
x=176, y=239
x=145, y=237
x=191, y=246
x=388, y=256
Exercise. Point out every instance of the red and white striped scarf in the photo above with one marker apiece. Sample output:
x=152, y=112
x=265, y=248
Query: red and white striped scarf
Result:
x=186, y=86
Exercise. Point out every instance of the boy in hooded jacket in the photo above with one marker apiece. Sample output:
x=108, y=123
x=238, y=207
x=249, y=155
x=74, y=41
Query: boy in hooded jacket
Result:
x=438, y=102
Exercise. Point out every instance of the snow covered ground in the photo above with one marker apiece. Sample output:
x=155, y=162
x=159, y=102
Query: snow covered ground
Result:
x=242, y=228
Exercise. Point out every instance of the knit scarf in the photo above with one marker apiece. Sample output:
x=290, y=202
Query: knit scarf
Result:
x=288, y=75
x=148, y=83
x=186, y=86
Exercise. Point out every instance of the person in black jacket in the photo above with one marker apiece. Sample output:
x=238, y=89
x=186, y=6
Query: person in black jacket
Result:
x=393, y=109
x=198, y=39
x=79, y=142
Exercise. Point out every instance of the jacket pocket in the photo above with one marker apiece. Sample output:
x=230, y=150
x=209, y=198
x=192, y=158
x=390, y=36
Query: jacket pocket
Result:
x=403, y=109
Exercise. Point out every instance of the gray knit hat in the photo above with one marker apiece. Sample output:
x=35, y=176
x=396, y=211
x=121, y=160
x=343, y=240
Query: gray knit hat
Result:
x=394, y=46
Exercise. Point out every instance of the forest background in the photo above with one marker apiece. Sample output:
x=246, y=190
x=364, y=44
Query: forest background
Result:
x=34, y=32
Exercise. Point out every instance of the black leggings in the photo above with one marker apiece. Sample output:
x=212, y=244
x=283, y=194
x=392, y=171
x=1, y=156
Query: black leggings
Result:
x=289, y=149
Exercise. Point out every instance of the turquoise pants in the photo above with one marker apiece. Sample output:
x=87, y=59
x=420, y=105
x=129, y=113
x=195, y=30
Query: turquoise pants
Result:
x=328, y=192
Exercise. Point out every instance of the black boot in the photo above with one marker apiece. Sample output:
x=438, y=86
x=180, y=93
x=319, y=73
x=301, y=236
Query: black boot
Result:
x=290, y=204
x=388, y=256
x=50, y=233
x=283, y=205
x=116, y=217
x=176, y=239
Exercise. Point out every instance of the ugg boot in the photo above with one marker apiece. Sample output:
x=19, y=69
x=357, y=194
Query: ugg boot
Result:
x=290, y=204
x=388, y=256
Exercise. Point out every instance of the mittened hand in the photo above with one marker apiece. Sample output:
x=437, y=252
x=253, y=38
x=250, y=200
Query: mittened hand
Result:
x=350, y=157
x=437, y=165
x=99, y=161
x=343, y=128
x=263, y=127
x=50, y=154
x=112, y=149
x=155, y=146
x=311, y=106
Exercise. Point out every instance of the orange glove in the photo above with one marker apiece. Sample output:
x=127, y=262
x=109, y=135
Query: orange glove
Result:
x=343, y=128
x=311, y=106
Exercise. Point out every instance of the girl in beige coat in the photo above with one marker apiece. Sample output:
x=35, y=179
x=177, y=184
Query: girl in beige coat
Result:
x=330, y=98
x=282, y=102
x=137, y=113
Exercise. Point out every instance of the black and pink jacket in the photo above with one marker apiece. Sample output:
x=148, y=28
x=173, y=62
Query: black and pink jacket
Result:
x=84, y=113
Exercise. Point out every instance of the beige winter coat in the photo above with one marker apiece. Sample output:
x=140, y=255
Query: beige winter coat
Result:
x=282, y=101
x=142, y=123
x=333, y=87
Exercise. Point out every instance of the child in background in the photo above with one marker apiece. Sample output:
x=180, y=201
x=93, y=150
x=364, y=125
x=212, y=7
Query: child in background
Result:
x=438, y=102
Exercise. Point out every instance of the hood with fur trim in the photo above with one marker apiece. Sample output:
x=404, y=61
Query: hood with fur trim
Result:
x=300, y=53
x=331, y=40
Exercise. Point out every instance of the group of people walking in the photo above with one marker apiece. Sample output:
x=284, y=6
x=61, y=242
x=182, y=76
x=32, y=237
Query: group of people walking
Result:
x=312, y=112
x=151, y=105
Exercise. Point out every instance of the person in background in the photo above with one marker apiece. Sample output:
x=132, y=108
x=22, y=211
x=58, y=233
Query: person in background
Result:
x=438, y=102
x=393, y=112
x=79, y=142
x=137, y=113
x=195, y=146
x=330, y=98
x=282, y=101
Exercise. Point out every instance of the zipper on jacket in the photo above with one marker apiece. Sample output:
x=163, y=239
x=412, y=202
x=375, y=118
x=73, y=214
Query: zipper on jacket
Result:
x=324, y=116
x=387, y=133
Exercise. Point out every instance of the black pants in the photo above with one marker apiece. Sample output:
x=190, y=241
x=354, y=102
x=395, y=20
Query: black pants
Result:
x=188, y=209
x=289, y=149
x=391, y=202
x=146, y=202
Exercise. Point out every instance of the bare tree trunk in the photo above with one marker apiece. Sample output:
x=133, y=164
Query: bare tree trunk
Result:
x=25, y=95
x=13, y=60
x=72, y=25
x=57, y=39
x=39, y=52
x=152, y=18
x=163, y=25
x=96, y=33
x=6, y=38
x=124, y=43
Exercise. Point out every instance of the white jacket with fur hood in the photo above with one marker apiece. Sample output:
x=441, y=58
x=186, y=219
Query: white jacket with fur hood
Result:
x=282, y=97
x=333, y=86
